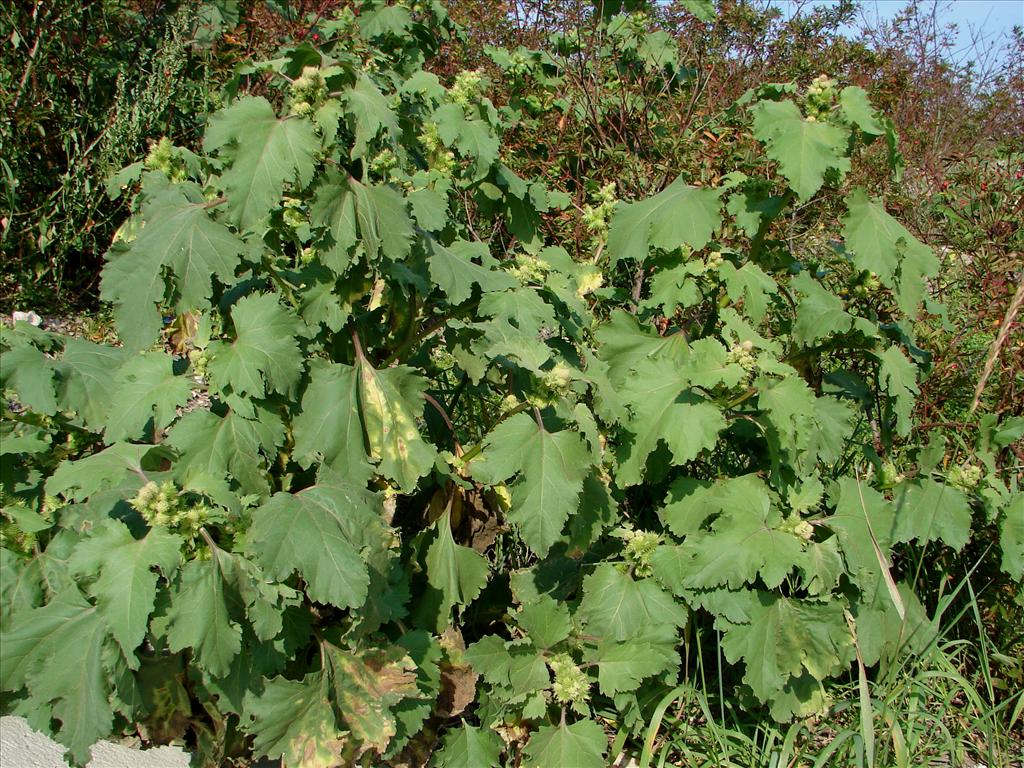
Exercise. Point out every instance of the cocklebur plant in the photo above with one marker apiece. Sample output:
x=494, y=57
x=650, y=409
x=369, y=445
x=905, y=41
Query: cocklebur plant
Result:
x=425, y=428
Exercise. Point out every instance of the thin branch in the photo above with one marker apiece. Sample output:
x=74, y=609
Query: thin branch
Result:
x=997, y=345
x=358, y=347
x=444, y=415
x=536, y=415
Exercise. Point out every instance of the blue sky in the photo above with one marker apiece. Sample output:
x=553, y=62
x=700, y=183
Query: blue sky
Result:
x=991, y=19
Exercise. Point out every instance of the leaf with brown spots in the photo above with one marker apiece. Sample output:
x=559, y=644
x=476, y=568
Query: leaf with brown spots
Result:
x=294, y=720
x=391, y=400
x=367, y=685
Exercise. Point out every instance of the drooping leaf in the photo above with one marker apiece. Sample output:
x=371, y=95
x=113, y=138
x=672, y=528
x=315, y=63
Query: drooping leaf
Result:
x=885, y=631
x=664, y=408
x=85, y=380
x=203, y=614
x=126, y=588
x=702, y=9
x=264, y=152
x=551, y=469
x=473, y=138
x=293, y=720
x=21, y=583
x=623, y=344
x=214, y=448
x=546, y=621
x=744, y=542
x=328, y=428
x=931, y=511
x=458, y=572
x=882, y=245
x=181, y=237
x=264, y=355
x=898, y=377
x=821, y=565
x=78, y=480
x=146, y=389
x=865, y=523
x=390, y=400
x=490, y=657
x=820, y=313
x=857, y=110
x=453, y=269
x=370, y=112
x=789, y=403
x=749, y=284
x=785, y=639
x=383, y=209
x=1011, y=538
x=622, y=666
x=375, y=215
x=617, y=606
x=58, y=651
x=680, y=215
x=316, y=532
x=804, y=150
x=367, y=685
x=30, y=373
x=334, y=210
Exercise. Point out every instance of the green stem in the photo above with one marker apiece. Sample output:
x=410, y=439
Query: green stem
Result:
x=287, y=288
x=429, y=330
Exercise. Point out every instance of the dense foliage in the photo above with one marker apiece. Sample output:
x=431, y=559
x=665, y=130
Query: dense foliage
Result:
x=405, y=457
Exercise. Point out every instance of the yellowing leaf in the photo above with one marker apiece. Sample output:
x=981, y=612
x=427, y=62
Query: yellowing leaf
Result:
x=329, y=428
x=367, y=685
x=390, y=401
x=294, y=721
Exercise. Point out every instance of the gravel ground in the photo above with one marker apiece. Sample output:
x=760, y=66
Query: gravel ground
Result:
x=22, y=747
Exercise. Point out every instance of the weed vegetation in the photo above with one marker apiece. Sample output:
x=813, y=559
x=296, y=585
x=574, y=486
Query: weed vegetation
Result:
x=498, y=384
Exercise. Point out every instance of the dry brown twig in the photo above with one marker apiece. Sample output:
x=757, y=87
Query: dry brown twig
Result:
x=997, y=345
